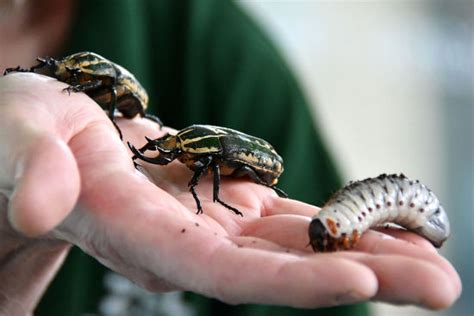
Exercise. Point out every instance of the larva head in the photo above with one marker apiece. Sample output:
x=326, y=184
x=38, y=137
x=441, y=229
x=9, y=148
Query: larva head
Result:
x=326, y=238
x=436, y=229
x=318, y=235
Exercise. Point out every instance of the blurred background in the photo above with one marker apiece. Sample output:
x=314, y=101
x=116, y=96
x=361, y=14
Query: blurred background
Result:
x=392, y=87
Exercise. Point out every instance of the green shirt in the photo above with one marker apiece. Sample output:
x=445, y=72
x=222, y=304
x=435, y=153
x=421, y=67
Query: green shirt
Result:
x=201, y=62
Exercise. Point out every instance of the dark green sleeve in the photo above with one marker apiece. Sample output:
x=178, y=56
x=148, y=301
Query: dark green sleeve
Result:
x=201, y=62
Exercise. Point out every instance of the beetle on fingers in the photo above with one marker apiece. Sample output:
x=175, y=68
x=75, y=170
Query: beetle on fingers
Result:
x=223, y=151
x=107, y=83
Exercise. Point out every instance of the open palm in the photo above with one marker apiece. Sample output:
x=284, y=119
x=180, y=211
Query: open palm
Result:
x=78, y=184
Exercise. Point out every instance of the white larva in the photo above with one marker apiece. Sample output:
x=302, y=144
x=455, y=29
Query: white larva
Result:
x=375, y=201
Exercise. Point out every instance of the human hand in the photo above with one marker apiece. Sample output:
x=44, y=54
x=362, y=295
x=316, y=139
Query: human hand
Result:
x=403, y=264
x=73, y=179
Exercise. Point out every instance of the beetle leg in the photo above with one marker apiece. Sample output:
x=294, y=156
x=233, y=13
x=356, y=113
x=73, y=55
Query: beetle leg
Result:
x=16, y=69
x=111, y=110
x=91, y=85
x=246, y=170
x=113, y=103
x=153, y=118
x=199, y=171
x=217, y=183
x=118, y=129
x=192, y=184
x=84, y=87
x=73, y=72
x=278, y=191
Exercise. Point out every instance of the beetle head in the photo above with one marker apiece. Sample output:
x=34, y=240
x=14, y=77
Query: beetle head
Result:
x=166, y=147
x=46, y=66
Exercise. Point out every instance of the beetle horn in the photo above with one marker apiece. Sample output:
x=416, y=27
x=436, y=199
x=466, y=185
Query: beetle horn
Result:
x=160, y=159
x=135, y=152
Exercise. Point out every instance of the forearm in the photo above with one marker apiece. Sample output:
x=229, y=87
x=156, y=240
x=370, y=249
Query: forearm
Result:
x=26, y=267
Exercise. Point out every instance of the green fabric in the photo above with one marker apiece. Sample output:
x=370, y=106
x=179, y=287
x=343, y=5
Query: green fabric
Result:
x=201, y=62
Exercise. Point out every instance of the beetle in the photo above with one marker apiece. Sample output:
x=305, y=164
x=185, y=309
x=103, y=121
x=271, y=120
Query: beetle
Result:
x=107, y=83
x=221, y=150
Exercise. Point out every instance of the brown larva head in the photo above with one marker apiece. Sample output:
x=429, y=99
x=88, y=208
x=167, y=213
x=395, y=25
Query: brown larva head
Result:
x=321, y=240
x=318, y=235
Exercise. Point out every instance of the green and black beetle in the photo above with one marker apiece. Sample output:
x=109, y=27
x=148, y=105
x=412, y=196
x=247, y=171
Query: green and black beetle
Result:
x=223, y=151
x=109, y=84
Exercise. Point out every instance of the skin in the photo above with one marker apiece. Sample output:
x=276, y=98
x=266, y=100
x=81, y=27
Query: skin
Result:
x=66, y=178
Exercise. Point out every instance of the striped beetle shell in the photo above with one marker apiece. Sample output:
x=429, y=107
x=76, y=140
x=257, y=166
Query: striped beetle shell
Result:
x=101, y=79
x=221, y=150
x=372, y=202
x=132, y=99
x=231, y=149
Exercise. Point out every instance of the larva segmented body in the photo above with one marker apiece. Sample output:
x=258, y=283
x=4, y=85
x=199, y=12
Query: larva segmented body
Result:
x=372, y=202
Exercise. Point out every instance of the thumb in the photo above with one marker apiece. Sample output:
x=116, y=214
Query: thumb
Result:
x=46, y=185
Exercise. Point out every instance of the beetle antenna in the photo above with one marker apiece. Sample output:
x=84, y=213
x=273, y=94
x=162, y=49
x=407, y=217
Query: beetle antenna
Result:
x=160, y=160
